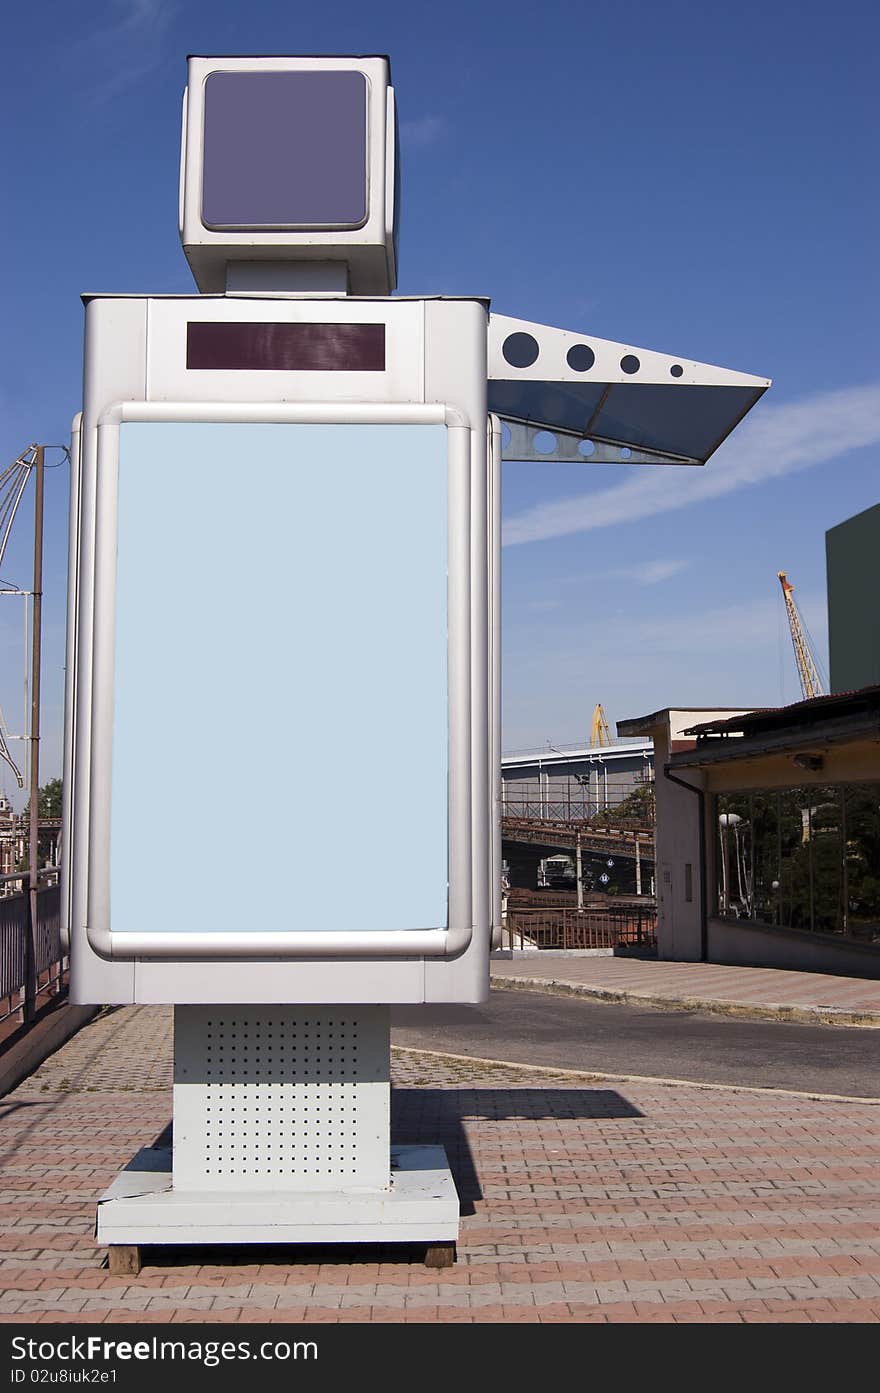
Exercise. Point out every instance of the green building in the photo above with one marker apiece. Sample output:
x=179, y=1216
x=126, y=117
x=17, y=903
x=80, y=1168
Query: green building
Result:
x=853, y=558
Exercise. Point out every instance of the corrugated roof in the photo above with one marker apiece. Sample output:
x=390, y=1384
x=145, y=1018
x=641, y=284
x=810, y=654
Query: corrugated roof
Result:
x=836, y=705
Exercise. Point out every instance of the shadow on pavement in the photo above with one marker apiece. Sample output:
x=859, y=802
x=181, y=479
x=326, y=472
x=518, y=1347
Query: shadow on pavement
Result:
x=438, y=1115
x=418, y=1115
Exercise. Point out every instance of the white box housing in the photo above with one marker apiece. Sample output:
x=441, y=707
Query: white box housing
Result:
x=281, y=573
x=289, y=163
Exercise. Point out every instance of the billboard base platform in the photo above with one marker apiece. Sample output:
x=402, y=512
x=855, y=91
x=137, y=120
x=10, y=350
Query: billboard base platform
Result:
x=142, y=1208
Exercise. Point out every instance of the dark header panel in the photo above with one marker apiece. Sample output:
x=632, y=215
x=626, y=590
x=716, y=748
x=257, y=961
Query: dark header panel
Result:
x=286, y=347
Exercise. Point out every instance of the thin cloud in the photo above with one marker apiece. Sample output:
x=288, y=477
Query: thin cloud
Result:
x=643, y=573
x=424, y=130
x=127, y=47
x=652, y=572
x=722, y=628
x=754, y=626
x=778, y=440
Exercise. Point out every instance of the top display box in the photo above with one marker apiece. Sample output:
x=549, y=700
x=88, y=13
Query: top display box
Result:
x=289, y=174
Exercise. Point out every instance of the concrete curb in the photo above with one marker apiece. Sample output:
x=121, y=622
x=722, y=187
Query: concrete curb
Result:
x=46, y=1036
x=763, y=1011
x=599, y=1076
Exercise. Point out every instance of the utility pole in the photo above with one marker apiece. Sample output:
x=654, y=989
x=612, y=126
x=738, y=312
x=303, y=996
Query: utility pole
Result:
x=579, y=875
x=34, y=831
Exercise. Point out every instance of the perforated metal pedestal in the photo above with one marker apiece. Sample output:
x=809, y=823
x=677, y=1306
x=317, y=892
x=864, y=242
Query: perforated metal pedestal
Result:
x=281, y=1135
x=269, y=1096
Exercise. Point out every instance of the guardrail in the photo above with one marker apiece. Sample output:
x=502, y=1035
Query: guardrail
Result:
x=631, y=926
x=32, y=962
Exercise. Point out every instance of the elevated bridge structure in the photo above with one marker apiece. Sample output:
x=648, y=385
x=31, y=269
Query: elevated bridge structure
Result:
x=620, y=858
x=552, y=837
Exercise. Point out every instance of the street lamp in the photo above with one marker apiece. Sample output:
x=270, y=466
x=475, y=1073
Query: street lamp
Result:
x=726, y=821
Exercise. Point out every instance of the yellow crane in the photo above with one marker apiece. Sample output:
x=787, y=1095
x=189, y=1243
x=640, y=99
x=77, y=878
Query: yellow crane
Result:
x=811, y=685
x=600, y=734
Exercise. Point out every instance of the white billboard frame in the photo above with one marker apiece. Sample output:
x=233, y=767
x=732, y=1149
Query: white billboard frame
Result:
x=93, y=862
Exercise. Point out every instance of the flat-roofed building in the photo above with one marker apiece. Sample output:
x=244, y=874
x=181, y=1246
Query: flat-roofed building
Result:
x=571, y=782
x=768, y=833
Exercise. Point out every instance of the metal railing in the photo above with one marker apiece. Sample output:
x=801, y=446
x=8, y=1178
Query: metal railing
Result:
x=627, y=926
x=32, y=961
x=569, y=805
x=594, y=795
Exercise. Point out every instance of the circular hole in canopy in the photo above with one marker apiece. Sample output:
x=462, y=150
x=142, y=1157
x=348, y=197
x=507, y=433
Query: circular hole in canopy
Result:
x=676, y=370
x=630, y=363
x=625, y=452
x=544, y=442
x=520, y=350
x=586, y=447
x=580, y=357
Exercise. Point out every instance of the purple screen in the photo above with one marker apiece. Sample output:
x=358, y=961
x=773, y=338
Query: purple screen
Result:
x=285, y=150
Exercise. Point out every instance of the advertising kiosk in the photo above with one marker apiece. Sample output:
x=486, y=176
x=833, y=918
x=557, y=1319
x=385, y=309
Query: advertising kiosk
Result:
x=284, y=563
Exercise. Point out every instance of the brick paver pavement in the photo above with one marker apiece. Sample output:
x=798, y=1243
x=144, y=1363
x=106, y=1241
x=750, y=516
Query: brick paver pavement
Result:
x=761, y=991
x=582, y=1200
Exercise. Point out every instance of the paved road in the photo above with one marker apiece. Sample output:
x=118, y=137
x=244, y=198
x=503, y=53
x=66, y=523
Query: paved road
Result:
x=537, y=1028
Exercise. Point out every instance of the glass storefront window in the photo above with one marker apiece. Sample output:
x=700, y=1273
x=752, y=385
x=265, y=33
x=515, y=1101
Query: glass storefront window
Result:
x=804, y=858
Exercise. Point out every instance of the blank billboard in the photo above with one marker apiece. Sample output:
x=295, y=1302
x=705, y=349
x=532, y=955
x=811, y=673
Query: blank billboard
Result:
x=280, y=710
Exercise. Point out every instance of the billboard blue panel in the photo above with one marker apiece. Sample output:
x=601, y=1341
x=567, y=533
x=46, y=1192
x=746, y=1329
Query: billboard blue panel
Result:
x=280, y=730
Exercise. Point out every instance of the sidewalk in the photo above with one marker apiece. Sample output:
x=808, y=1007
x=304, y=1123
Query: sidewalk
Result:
x=582, y=1201
x=758, y=992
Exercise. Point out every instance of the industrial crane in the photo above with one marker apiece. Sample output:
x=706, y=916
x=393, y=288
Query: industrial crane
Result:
x=600, y=734
x=811, y=685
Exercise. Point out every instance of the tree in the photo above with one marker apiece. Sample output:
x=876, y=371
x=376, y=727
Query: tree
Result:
x=48, y=800
x=637, y=806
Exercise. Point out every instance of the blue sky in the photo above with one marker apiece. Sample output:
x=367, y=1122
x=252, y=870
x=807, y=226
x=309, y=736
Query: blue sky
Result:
x=697, y=178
